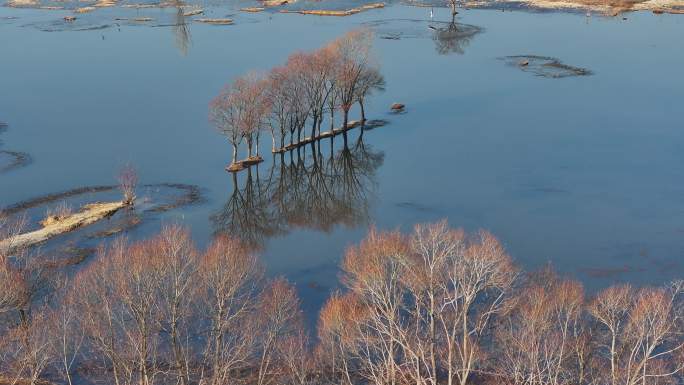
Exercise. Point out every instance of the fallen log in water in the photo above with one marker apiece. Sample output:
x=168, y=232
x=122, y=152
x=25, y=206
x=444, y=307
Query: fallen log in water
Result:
x=88, y=215
x=325, y=134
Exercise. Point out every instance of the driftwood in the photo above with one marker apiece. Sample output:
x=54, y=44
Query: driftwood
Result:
x=88, y=215
x=325, y=134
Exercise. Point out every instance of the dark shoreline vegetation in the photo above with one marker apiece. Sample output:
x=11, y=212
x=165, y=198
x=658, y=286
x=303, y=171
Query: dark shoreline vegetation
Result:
x=435, y=306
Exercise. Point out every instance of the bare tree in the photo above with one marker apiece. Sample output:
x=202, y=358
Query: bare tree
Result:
x=128, y=180
x=66, y=334
x=353, y=52
x=280, y=320
x=370, y=80
x=231, y=277
x=178, y=284
x=536, y=341
x=373, y=271
x=225, y=113
x=642, y=336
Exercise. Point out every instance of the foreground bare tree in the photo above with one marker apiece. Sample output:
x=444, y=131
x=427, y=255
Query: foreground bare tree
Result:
x=280, y=320
x=25, y=278
x=232, y=277
x=641, y=341
x=538, y=338
x=436, y=306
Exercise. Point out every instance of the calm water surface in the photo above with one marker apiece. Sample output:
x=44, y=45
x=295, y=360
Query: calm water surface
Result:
x=584, y=172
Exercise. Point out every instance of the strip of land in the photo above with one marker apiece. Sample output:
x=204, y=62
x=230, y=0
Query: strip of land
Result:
x=89, y=214
x=611, y=7
x=344, y=12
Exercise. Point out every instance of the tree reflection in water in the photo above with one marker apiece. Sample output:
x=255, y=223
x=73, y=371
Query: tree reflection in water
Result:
x=304, y=189
x=454, y=37
x=181, y=30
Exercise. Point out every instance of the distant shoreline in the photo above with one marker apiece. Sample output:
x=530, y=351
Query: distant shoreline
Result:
x=605, y=7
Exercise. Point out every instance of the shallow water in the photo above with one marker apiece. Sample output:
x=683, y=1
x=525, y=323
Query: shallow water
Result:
x=584, y=172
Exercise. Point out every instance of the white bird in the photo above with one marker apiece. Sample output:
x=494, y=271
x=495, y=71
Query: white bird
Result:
x=431, y=14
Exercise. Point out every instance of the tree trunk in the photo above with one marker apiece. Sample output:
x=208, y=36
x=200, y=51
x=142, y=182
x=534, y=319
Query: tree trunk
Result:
x=314, y=125
x=363, y=111
x=258, y=135
x=345, y=120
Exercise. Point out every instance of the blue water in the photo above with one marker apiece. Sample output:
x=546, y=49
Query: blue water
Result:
x=586, y=173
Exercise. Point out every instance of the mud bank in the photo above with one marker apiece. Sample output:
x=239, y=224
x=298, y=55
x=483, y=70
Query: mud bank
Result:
x=88, y=214
x=345, y=12
x=215, y=21
x=610, y=7
x=153, y=199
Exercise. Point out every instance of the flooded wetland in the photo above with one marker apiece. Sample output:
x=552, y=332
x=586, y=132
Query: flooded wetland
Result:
x=557, y=130
x=573, y=163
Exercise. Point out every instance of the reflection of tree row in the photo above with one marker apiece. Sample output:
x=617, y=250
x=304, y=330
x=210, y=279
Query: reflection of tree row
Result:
x=317, y=187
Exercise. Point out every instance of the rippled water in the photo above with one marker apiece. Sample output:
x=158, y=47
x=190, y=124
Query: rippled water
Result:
x=585, y=172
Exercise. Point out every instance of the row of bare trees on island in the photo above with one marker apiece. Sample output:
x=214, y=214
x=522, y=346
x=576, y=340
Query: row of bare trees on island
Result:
x=308, y=88
x=434, y=306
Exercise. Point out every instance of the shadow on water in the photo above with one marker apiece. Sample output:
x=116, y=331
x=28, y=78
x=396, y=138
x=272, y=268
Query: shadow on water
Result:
x=449, y=37
x=317, y=187
x=181, y=31
x=454, y=37
x=61, y=25
x=10, y=160
x=544, y=66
